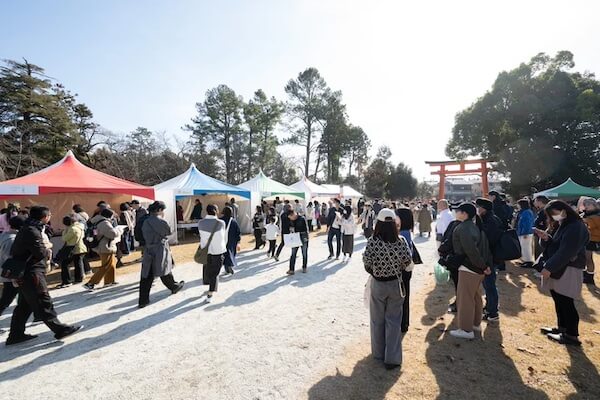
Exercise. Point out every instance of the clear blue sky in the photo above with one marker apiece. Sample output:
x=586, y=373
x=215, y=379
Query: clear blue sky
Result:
x=405, y=69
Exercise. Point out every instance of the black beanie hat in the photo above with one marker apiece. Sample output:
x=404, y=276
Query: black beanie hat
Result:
x=485, y=203
x=468, y=208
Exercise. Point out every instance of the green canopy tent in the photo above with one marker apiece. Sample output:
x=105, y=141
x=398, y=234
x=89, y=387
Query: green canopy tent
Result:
x=262, y=187
x=569, y=190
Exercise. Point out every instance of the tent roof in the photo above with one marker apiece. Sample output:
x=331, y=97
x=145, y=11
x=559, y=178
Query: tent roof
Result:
x=193, y=182
x=569, y=189
x=268, y=187
x=308, y=186
x=343, y=190
x=71, y=176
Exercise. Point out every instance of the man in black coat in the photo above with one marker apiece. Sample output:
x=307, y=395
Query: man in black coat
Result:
x=297, y=224
x=284, y=226
x=540, y=222
x=33, y=290
x=334, y=228
x=500, y=208
x=493, y=228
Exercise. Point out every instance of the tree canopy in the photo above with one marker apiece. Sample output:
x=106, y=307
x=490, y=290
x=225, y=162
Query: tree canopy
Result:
x=540, y=123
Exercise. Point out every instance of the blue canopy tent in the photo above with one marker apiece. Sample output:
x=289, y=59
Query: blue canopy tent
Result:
x=193, y=184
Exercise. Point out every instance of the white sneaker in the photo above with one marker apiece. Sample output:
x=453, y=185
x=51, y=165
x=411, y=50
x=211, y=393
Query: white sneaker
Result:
x=477, y=328
x=459, y=333
x=208, y=299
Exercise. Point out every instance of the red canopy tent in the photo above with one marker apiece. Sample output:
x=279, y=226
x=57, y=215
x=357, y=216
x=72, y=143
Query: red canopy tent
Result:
x=71, y=176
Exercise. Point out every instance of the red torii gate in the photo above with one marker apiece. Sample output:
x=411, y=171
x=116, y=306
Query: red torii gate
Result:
x=481, y=167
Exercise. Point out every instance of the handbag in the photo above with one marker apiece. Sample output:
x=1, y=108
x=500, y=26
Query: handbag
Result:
x=416, y=257
x=292, y=240
x=14, y=268
x=201, y=256
x=65, y=253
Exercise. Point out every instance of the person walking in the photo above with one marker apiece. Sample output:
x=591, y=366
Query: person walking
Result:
x=492, y=226
x=317, y=211
x=591, y=217
x=297, y=224
x=298, y=207
x=196, y=211
x=348, y=228
x=425, y=220
x=214, y=237
x=74, y=251
x=7, y=238
x=233, y=233
x=126, y=219
x=272, y=231
x=367, y=219
x=157, y=260
x=563, y=261
x=524, y=225
x=444, y=218
x=108, y=236
x=469, y=240
x=387, y=254
x=33, y=288
x=284, y=228
x=258, y=226
x=334, y=220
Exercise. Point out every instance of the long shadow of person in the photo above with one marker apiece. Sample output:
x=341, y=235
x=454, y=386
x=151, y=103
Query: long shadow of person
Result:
x=459, y=365
x=583, y=374
x=369, y=381
x=89, y=344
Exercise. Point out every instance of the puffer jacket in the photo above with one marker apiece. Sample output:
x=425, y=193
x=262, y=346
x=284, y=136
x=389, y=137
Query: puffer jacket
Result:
x=469, y=240
x=73, y=236
x=108, y=235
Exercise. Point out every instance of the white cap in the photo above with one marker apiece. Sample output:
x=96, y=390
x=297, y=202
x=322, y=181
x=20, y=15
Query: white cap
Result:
x=386, y=213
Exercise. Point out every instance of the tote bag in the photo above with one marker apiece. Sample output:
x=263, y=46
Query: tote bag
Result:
x=292, y=240
x=201, y=256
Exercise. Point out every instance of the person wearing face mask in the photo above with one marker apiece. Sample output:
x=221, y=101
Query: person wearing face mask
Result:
x=157, y=259
x=591, y=217
x=562, y=263
x=524, y=225
x=469, y=239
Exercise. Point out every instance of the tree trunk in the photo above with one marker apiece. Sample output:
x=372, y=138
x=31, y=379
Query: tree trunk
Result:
x=308, y=142
x=250, y=152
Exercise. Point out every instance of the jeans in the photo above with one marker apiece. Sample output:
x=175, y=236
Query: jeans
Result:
x=304, y=256
x=491, y=293
x=337, y=233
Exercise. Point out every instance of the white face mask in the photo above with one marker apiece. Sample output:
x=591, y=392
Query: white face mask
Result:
x=558, y=218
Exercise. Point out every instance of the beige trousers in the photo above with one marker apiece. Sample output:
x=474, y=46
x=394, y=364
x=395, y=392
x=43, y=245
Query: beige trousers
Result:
x=468, y=300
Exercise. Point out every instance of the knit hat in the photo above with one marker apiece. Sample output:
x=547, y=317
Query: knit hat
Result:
x=486, y=204
x=386, y=213
x=468, y=208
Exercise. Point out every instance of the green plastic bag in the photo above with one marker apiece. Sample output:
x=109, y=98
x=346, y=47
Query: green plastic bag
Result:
x=442, y=275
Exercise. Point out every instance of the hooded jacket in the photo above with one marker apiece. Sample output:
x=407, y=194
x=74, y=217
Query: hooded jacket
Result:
x=29, y=246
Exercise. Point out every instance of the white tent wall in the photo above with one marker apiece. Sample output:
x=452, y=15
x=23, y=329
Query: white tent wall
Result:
x=187, y=202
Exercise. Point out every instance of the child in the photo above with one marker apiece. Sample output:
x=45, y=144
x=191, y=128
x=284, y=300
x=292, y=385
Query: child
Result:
x=272, y=233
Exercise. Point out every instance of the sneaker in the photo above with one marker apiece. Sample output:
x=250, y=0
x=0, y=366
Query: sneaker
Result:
x=19, y=339
x=549, y=330
x=452, y=308
x=179, y=287
x=526, y=265
x=563, y=338
x=303, y=270
x=330, y=257
x=142, y=305
x=276, y=258
x=477, y=328
x=459, y=333
x=89, y=286
x=63, y=285
x=111, y=284
x=337, y=258
x=119, y=264
x=390, y=367
x=290, y=272
x=209, y=298
x=490, y=318
x=588, y=278
x=68, y=332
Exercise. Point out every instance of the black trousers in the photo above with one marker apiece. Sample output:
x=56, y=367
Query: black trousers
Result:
x=34, y=298
x=566, y=313
x=310, y=225
x=210, y=272
x=9, y=292
x=337, y=233
x=454, y=276
x=281, y=244
x=146, y=284
x=77, y=260
x=272, y=247
x=257, y=238
x=406, y=276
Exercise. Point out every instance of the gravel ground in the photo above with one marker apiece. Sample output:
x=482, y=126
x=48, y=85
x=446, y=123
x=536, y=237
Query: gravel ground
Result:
x=264, y=336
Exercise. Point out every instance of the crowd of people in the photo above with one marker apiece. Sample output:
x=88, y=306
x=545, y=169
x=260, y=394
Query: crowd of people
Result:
x=475, y=240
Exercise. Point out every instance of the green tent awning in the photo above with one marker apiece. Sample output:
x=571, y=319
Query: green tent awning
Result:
x=268, y=187
x=569, y=189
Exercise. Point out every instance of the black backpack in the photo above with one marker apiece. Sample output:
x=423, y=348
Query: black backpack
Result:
x=91, y=238
x=508, y=247
x=137, y=231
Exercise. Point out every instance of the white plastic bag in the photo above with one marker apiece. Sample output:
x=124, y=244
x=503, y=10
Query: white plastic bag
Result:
x=367, y=293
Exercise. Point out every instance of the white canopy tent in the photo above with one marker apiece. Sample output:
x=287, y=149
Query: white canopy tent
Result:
x=193, y=184
x=343, y=192
x=311, y=190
